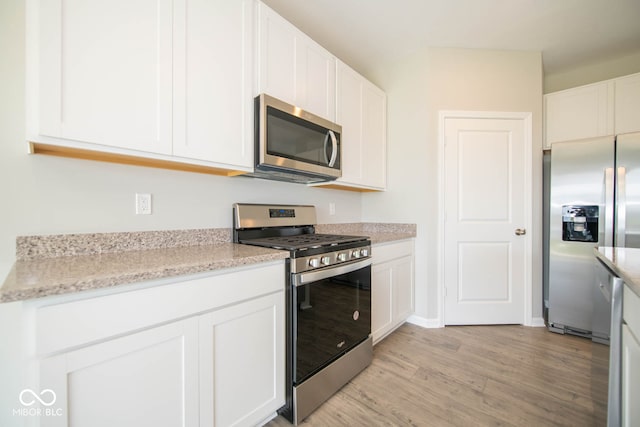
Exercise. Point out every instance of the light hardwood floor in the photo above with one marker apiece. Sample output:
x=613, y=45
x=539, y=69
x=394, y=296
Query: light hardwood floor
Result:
x=474, y=376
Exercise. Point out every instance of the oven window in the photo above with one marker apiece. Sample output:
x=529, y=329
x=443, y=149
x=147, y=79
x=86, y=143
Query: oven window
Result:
x=333, y=315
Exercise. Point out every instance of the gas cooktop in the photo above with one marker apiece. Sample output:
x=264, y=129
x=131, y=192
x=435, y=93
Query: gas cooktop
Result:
x=292, y=228
x=303, y=241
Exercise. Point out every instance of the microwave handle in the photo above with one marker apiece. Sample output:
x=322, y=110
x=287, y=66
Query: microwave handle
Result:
x=334, y=148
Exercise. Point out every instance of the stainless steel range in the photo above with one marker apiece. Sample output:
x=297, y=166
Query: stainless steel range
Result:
x=328, y=300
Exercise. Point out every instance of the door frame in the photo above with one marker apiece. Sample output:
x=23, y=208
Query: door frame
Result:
x=526, y=118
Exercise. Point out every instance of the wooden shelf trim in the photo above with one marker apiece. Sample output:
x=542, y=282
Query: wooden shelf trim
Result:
x=80, y=153
x=347, y=188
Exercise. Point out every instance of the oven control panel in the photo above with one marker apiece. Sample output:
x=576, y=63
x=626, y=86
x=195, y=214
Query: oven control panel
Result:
x=328, y=259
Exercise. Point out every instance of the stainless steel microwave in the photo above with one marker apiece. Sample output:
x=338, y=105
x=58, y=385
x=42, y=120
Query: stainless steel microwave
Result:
x=294, y=145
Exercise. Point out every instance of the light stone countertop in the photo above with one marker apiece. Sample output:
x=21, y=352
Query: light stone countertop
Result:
x=625, y=262
x=377, y=232
x=35, y=278
x=63, y=264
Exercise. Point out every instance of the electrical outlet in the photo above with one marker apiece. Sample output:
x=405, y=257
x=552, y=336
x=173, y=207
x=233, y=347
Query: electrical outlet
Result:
x=332, y=208
x=143, y=204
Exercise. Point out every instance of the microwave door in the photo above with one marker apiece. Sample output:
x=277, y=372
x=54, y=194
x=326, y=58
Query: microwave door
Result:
x=292, y=141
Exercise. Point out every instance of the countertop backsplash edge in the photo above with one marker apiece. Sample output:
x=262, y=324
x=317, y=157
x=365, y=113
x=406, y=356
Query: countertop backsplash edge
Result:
x=78, y=244
x=60, y=245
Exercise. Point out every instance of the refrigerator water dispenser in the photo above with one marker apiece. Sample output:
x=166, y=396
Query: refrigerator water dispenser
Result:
x=580, y=223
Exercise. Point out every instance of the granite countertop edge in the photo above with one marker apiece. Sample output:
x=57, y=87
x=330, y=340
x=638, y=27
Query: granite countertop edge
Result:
x=377, y=232
x=65, y=264
x=30, y=279
x=624, y=262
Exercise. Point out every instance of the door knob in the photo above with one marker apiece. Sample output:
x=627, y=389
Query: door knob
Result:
x=521, y=231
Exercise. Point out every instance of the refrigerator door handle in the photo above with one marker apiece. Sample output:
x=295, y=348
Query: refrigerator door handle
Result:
x=608, y=205
x=621, y=207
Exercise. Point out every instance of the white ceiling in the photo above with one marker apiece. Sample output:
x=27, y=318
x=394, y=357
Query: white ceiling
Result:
x=367, y=34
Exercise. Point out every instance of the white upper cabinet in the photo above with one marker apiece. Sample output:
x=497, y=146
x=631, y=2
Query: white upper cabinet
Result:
x=374, y=136
x=213, y=117
x=105, y=71
x=154, y=79
x=583, y=112
x=610, y=107
x=361, y=111
x=292, y=67
x=627, y=90
x=349, y=116
x=171, y=84
x=297, y=70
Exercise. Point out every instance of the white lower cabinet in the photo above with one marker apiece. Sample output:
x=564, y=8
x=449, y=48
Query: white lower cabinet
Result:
x=241, y=369
x=148, y=378
x=203, y=352
x=392, y=286
x=631, y=378
x=630, y=358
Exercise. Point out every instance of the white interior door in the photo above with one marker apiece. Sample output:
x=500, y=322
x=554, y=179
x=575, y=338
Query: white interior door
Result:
x=486, y=196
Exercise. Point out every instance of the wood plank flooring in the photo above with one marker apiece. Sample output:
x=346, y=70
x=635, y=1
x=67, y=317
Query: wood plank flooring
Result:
x=474, y=376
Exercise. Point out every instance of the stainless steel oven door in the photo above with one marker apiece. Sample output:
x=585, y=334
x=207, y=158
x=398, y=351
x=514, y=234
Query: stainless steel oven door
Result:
x=331, y=311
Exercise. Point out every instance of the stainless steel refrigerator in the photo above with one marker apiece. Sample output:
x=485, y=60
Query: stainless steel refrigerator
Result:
x=594, y=201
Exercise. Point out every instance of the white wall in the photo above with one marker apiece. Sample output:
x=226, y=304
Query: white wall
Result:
x=48, y=195
x=418, y=88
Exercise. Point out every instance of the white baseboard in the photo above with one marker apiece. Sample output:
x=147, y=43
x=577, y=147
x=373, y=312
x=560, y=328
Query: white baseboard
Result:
x=537, y=322
x=424, y=322
x=269, y=418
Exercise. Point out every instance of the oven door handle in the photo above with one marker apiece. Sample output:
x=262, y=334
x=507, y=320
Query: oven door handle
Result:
x=300, y=279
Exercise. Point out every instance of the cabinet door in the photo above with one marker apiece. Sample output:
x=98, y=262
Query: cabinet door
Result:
x=105, y=72
x=374, y=137
x=349, y=116
x=213, y=118
x=242, y=362
x=382, y=300
x=627, y=104
x=276, y=55
x=392, y=283
x=583, y=112
x=292, y=67
x=630, y=377
x=148, y=378
x=361, y=111
x=403, y=289
x=316, y=78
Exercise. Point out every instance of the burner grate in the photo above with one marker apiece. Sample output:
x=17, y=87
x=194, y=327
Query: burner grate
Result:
x=302, y=241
